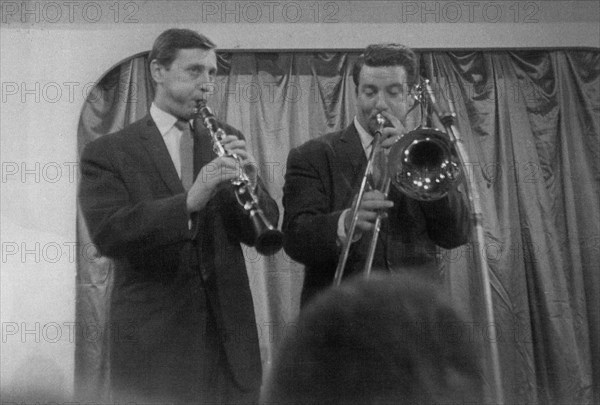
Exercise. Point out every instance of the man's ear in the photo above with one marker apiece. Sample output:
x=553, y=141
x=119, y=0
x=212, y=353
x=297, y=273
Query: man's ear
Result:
x=156, y=70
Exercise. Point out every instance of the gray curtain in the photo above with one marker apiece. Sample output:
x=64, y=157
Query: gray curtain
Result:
x=530, y=122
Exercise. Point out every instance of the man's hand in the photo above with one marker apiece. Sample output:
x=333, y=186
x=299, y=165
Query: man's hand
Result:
x=234, y=145
x=393, y=133
x=222, y=169
x=372, y=203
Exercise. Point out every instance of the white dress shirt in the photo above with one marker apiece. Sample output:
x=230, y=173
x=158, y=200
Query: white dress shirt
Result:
x=170, y=133
x=165, y=123
x=366, y=139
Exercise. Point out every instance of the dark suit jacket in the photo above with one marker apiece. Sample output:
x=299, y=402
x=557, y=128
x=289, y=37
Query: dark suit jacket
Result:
x=323, y=175
x=179, y=294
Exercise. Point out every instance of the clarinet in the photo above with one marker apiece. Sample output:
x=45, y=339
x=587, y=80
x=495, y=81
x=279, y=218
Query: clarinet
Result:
x=268, y=240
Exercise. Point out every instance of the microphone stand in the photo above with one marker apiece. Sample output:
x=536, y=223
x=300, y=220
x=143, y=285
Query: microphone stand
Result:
x=447, y=120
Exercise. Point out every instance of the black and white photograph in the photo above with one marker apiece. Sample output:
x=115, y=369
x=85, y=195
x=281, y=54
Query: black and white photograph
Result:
x=300, y=202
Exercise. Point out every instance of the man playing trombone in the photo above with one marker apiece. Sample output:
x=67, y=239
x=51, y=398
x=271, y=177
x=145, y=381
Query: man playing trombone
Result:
x=324, y=176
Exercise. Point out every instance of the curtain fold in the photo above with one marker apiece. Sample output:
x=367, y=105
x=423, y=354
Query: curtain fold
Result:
x=532, y=133
x=530, y=122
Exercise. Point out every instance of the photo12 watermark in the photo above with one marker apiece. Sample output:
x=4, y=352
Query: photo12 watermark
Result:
x=452, y=12
x=39, y=172
x=263, y=91
x=54, y=92
x=483, y=174
x=69, y=12
x=47, y=252
x=253, y=12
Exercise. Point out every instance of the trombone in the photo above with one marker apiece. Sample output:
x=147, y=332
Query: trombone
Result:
x=423, y=164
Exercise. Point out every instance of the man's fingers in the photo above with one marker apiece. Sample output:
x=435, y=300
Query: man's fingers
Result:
x=232, y=143
x=373, y=195
x=392, y=134
x=227, y=139
x=390, y=140
x=236, y=144
x=367, y=216
x=375, y=200
x=365, y=226
x=238, y=147
x=221, y=169
x=375, y=205
x=396, y=123
x=365, y=220
x=241, y=153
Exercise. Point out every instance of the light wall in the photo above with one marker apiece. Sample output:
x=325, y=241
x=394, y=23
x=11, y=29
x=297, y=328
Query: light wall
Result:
x=54, y=52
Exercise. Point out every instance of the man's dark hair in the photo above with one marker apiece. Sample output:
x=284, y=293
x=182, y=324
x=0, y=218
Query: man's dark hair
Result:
x=386, y=340
x=168, y=43
x=379, y=55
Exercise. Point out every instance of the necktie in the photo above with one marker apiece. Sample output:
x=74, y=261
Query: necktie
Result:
x=186, y=154
x=368, y=148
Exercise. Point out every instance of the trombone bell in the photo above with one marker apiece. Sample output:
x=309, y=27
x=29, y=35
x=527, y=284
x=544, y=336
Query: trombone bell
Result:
x=424, y=164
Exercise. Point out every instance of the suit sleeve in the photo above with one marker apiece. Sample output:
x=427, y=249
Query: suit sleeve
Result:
x=310, y=228
x=448, y=219
x=117, y=225
x=238, y=220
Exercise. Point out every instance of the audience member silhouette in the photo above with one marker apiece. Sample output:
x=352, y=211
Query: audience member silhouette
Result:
x=391, y=339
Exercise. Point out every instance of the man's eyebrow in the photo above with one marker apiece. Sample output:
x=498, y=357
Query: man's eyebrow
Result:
x=196, y=65
x=202, y=67
x=402, y=86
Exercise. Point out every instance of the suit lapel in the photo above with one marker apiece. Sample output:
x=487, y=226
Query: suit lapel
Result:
x=203, y=154
x=157, y=150
x=203, y=149
x=350, y=157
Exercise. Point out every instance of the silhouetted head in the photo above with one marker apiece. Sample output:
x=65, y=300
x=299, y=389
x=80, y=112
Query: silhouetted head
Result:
x=386, y=340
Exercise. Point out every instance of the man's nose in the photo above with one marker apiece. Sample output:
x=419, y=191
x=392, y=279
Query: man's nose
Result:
x=206, y=83
x=381, y=103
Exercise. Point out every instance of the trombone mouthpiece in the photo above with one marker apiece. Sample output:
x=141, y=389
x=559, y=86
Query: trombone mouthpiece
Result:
x=381, y=121
x=200, y=104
